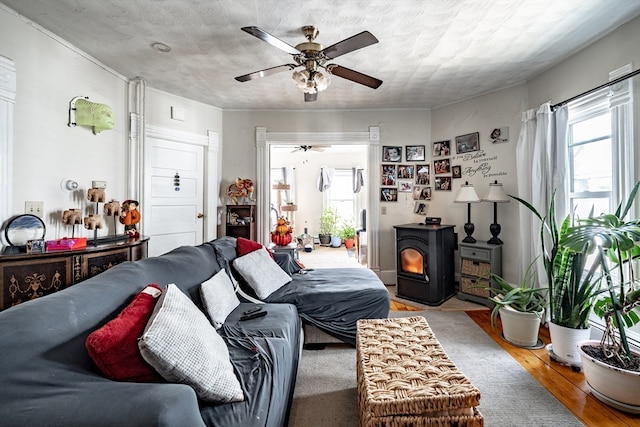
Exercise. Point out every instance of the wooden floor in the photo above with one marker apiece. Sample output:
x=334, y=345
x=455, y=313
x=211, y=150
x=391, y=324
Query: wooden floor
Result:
x=567, y=386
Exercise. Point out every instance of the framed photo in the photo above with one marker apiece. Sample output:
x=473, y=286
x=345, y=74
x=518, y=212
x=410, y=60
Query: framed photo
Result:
x=416, y=192
x=499, y=135
x=389, y=175
x=406, y=171
x=425, y=193
x=442, y=166
x=467, y=143
x=422, y=175
x=35, y=246
x=443, y=183
x=441, y=148
x=420, y=208
x=388, y=194
x=404, y=186
x=391, y=153
x=456, y=171
x=415, y=153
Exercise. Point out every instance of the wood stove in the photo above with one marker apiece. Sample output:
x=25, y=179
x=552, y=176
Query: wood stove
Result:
x=425, y=262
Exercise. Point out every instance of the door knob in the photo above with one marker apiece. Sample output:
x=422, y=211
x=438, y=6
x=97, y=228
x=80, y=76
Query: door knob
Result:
x=200, y=215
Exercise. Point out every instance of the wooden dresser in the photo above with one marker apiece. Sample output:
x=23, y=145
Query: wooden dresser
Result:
x=27, y=276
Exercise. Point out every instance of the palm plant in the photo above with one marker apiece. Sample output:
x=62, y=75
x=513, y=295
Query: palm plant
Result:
x=616, y=244
x=572, y=290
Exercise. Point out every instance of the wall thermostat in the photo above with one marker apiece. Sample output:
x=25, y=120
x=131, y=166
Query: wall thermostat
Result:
x=430, y=220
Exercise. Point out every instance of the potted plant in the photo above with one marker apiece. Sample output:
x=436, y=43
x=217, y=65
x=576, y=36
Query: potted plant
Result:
x=328, y=221
x=611, y=368
x=572, y=290
x=521, y=307
x=348, y=234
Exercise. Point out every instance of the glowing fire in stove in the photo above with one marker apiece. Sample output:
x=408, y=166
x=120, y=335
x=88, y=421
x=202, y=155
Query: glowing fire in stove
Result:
x=411, y=261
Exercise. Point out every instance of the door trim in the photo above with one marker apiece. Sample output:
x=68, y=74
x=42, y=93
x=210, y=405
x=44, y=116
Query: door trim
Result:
x=371, y=139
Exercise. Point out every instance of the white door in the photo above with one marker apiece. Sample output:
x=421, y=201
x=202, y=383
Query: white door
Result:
x=172, y=215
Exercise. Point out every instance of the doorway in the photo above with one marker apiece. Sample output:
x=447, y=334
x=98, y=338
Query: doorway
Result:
x=295, y=190
x=370, y=139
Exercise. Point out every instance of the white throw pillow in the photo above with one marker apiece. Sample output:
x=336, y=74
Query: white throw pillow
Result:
x=260, y=272
x=180, y=343
x=219, y=297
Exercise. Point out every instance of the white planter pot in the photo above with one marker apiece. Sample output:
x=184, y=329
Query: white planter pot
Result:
x=564, y=342
x=520, y=328
x=616, y=387
x=336, y=241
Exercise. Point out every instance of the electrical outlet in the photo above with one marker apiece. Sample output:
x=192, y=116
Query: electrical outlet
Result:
x=34, y=208
x=383, y=210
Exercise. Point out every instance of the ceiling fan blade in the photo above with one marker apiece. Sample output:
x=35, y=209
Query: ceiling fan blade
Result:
x=266, y=72
x=273, y=41
x=356, y=42
x=310, y=97
x=354, y=76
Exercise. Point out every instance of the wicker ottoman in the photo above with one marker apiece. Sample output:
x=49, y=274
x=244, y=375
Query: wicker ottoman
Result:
x=406, y=379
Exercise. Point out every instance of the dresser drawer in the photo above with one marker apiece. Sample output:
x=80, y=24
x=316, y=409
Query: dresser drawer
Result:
x=475, y=253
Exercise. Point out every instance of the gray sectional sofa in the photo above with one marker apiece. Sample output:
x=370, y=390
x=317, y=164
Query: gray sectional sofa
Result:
x=47, y=377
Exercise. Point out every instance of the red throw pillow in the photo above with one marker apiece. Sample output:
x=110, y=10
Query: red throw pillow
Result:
x=114, y=347
x=245, y=246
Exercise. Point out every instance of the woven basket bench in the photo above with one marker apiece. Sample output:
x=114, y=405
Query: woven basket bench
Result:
x=406, y=379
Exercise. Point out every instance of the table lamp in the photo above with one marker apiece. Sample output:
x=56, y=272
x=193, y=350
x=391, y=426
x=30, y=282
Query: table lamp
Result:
x=496, y=195
x=468, y=195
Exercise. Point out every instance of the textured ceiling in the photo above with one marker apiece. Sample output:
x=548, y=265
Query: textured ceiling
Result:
x=430, y=53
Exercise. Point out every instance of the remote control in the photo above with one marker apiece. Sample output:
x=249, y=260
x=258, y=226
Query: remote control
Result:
x=252, y=310
x=254, y=315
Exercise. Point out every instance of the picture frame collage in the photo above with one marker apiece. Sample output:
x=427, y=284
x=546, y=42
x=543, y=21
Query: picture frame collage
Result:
x=411, y=175
x=418, y=176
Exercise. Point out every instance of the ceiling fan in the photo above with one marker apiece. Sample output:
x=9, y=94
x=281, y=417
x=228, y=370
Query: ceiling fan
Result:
x=305, y=148
x=313, y=56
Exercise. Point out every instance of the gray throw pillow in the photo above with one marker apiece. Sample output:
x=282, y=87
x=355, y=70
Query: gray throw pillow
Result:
x=219, y=297
x=261, y=272
x=180, y=343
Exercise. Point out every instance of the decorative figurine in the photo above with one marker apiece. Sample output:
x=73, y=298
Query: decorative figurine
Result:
x=130, y=216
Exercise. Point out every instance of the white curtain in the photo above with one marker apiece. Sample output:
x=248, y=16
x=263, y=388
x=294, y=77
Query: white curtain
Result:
x=324, y=179
x=541, y=164
x=357, y=179
x=288, y=177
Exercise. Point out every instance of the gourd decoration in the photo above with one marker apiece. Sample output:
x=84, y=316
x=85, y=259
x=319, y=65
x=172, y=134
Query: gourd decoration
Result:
x=282, y=235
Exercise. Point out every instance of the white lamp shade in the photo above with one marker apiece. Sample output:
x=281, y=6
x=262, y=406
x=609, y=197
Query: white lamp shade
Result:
x=467, y=194
x=496, y=194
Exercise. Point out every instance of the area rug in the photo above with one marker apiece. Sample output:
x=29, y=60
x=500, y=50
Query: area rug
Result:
x=326, y=396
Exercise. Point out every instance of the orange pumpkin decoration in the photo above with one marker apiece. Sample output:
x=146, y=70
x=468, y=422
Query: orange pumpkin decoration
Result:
x=282, y=234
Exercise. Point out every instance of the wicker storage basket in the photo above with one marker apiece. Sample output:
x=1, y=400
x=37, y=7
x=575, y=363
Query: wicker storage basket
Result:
x=475, y=268
x=468, y=286
x=406, y=379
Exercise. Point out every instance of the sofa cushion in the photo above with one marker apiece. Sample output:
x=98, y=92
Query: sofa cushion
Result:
x=261, y=273
x=219, y=298
x=114, y=346
x=184, y=348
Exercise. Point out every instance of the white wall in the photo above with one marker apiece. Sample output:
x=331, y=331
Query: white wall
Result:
x=50, y=72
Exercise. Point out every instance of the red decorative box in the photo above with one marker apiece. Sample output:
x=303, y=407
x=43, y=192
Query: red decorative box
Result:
x=67, y=244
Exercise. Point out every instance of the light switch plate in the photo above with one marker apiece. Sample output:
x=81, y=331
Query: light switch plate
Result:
x=34, y=208
x=98, y=184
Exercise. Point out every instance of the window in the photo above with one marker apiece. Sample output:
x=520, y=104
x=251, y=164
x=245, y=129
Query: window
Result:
x=601, y=154
x=341, y=197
